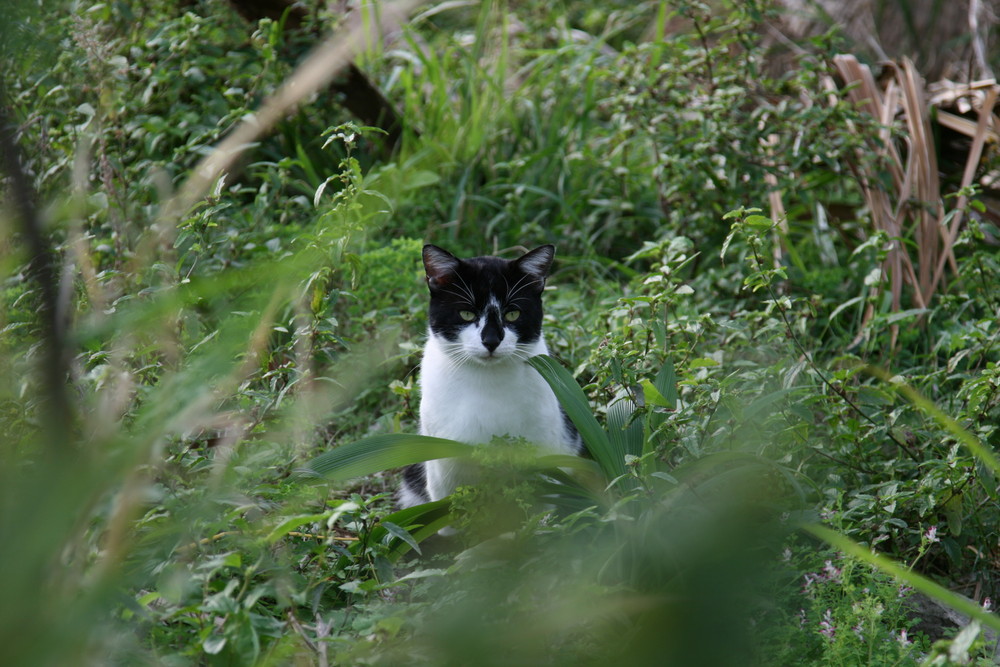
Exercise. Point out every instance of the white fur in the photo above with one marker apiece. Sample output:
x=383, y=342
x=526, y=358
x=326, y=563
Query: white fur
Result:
x=471, y=396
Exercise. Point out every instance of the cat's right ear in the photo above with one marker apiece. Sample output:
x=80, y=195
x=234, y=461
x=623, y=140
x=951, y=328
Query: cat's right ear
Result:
x=440, y=266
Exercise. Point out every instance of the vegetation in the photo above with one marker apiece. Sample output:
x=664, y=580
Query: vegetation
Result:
x=207, y=357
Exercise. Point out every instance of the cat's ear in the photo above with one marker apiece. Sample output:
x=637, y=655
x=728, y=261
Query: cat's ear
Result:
x=537, y=262
x=440, y=265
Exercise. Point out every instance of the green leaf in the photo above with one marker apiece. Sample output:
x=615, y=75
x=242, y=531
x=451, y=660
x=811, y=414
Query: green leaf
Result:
x=953, y=514
x=844, y=306
x=214, y=644
x=627, y=436
x=396, y=531
x=419, y=521
x=759, y=222
x=291, y=523
x=382, y=452
x=574, y=402
x=762, y=402
x=420, y=179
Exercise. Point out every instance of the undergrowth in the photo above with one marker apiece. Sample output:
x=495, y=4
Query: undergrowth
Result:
x=719, y=365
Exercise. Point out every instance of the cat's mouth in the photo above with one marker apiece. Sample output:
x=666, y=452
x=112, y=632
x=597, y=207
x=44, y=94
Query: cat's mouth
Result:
x=488, y=357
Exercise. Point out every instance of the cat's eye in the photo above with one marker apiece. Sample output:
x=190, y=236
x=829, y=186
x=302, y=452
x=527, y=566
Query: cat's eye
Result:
x=512, y=315
x=467, y=315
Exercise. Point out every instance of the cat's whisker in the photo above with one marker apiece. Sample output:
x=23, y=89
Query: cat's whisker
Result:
x=518, y=287
x=463, y=298
x=467, y=289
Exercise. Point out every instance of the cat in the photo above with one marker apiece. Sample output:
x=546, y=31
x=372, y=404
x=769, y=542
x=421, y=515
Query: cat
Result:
x=485, y=321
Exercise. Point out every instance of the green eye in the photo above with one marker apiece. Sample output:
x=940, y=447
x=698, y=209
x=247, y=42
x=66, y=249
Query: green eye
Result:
x=512, y=315
x=467, y=315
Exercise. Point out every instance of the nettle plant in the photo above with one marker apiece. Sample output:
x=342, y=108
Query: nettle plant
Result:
x=888, y=463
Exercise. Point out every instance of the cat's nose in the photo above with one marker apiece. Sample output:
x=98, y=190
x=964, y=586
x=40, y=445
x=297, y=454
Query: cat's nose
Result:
x=491, y=341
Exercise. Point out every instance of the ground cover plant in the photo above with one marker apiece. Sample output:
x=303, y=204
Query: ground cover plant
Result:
x=208, y=379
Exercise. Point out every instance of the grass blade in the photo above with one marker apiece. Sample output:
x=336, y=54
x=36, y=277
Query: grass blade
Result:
x=381, y=452
x=902, y=573
x=971, y=442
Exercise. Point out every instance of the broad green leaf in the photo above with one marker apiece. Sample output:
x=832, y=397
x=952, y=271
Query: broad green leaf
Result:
x=759, y=222
x=574, y=402
x=214, y=644
x=421, y=178
x=381, y=452
x=953, y=514
x=762, y=402
x=627, y=437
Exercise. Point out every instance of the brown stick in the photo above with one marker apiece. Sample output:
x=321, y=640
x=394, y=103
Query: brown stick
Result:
x=57, y=407
x=975, y=153
x=352, y=88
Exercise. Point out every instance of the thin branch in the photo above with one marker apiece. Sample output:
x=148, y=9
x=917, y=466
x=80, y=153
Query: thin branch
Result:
x=837, y=390
x=42, y=270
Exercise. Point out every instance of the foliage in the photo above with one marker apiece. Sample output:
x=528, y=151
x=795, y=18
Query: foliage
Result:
x=733, y=378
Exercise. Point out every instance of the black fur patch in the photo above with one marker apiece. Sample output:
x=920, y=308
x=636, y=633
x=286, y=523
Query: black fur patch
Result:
x=415, y=481
x=458, y=285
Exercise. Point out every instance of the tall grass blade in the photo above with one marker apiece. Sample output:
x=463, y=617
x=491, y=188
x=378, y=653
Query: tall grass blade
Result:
x=971, y=442
x=381, y=452
x=902, y=573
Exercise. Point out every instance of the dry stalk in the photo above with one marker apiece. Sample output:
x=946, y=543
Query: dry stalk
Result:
x=914, y=205
x=326, y=61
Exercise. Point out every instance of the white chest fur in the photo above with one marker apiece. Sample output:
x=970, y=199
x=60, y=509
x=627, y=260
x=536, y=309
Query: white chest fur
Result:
x=475, y=401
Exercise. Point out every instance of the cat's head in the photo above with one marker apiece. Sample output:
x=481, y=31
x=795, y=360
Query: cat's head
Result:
x=487, y=309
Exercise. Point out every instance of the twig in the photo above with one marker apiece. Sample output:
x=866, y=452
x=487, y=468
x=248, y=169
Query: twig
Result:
x=837, y=390
x=846, y=464
x=293, y=533
x=42, y=270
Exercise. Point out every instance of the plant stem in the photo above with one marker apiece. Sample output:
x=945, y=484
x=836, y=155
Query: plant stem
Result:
x=42, y=270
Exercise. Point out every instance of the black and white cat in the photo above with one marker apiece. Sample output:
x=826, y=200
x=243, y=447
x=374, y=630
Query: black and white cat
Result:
x=485, y=322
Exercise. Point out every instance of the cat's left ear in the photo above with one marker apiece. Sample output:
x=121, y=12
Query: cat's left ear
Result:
x=440, y=265
x=537, y=262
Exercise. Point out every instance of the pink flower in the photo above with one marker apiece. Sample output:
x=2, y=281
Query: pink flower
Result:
x=826, y=627
x=903, y=641
x=931, y=535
